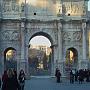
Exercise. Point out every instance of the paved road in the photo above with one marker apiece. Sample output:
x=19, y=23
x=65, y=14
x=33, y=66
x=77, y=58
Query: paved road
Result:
x=50, y=84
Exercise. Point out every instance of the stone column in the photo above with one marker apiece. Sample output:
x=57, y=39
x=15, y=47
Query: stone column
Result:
x=84, y=59
x=22, y=61
x=59, y=41
x=84, y=40
x=54, y=59
x=60, y=61
x=26, y=53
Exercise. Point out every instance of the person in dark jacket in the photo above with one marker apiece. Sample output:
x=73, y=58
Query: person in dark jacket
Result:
x=58, y=75
x=0, y=82
x=71, y=77
x=56, y=71
x=11, y=82
x=4, y=80
x=21, y=79
x=76, y=76
x=81, y=76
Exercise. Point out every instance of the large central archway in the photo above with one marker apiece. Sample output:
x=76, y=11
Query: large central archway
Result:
x=40, y=58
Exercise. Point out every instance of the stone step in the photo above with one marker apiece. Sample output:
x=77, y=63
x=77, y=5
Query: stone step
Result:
x=42, y=76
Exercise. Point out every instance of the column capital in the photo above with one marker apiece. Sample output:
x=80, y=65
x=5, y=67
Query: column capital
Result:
x=23, y=27
x=84, y=25
x=59, y=25
x=22, y=24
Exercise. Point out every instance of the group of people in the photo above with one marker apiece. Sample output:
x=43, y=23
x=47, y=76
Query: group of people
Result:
x=80, y=76
x=10, y=80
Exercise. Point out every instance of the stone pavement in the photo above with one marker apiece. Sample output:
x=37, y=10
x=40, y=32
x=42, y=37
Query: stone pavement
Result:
x=50, y=84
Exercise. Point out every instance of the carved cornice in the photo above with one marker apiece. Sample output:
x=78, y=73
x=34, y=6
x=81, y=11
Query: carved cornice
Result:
x=10, y=35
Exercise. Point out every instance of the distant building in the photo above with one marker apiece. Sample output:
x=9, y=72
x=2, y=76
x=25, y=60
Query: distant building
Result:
x=43, y=48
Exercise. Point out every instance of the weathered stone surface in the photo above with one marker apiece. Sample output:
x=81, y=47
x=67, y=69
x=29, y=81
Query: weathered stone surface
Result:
x=20, y=23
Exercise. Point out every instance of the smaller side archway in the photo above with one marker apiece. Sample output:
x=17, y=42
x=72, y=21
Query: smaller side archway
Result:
x=10, y=58
x=71, y=62
x=73, y=55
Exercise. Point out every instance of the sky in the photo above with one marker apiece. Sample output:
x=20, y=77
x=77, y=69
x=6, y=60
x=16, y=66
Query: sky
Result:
x=41, y=40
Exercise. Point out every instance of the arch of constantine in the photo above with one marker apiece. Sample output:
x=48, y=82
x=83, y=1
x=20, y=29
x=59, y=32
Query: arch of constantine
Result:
x=66, y=23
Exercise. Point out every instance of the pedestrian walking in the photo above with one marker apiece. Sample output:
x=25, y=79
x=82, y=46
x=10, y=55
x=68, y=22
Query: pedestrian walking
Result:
x=71, y=77
x=0, y=82
x=21, y=79
x=4, y=80
x=12, y=83
x=76, y=76
x=56, y=71
x=9, y=81
x=81, y=76
x=58, y=75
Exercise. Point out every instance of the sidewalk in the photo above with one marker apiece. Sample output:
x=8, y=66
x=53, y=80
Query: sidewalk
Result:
x=50, y=84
